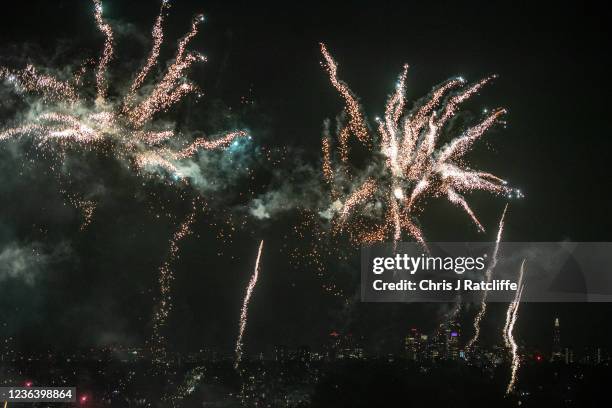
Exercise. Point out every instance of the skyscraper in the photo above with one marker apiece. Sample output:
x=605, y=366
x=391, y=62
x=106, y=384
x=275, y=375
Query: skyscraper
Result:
x=281, y=353
x=453, y=343
x=569, y=356
x=556, y=346
x=303, y=354
x=412, y=345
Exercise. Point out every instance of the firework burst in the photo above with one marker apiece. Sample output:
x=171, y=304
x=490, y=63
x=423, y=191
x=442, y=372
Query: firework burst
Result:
x=408, y=165
x=125, y=125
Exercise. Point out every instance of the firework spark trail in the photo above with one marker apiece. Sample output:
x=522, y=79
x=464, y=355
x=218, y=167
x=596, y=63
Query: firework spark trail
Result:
x=328, y=172
x=166, y=277
x=245, y=307
x=192, y=379
x=509, y=328
x=170, y=88
x=158, y=38
x=30, y=80
x=488, y=277
x=202, y=143
x=107, y=54
x=361, y=194
x=413, y=167
x=511, y=309
x=127, y=125
x=455, y=198
x=507, y=324
x=356, y=120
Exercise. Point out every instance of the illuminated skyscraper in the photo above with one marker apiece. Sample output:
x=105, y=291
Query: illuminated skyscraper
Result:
x=452, y=343
x=303, y=354
x=556, y=347
x=281, y=353
x=569, y=356
x=412, y=345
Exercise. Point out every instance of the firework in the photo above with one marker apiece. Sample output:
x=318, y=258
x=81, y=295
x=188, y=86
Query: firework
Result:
x=191, y=381
x=125, y=125
x=408, y=164
x=488, y=277
x=245, y=307
x=121, y=122
x=166, y=277
x=510, y=310
x=511, y=316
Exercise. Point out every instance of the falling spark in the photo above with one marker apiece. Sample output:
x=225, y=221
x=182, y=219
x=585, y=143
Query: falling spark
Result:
x=413, y=164
x=87, y=207
x=509, y=328
x=166, y=277
x=488, y=277
x=245, y=307
x=125, y=127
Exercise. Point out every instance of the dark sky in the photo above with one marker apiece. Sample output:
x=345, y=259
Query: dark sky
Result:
x=553, y=67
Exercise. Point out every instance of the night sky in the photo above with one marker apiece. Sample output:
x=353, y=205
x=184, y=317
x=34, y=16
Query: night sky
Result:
x=96, y=287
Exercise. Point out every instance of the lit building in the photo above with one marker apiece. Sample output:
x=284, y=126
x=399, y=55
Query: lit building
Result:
x=281, y=353
x=556, y=346
x=303, y=354
x=569, y=356
x=412, y=345
x=343, y=347
x=452, y=343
